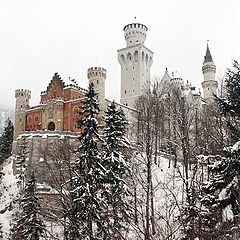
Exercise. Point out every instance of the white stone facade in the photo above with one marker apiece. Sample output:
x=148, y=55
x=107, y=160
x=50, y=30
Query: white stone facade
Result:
x=136, y=61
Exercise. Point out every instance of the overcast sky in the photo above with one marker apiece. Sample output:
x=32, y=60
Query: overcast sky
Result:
x=41, y=37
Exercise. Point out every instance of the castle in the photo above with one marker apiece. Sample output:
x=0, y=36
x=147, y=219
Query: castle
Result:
x=60, y=104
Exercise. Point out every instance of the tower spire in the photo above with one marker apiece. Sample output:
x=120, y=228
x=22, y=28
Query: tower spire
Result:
x=209, y=83
x=208, y=56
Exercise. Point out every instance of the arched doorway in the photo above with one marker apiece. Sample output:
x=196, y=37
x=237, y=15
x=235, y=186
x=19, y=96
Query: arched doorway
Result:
x=51, y=126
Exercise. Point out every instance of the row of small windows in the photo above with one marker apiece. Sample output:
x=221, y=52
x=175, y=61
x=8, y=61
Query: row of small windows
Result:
x=136, y=41
x=125, y=91
x=133, y=32
x=132, y=68
x=32, y=127
x=135, y=57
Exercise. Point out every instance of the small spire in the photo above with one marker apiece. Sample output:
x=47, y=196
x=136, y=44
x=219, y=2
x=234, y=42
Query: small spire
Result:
x=208, y=56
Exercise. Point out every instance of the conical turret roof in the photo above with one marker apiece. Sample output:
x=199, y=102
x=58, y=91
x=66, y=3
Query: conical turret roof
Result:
x=208, y=56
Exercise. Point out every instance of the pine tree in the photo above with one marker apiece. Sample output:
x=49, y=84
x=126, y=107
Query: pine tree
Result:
x=29, y=225
x=85, y=217
x=221, y=195
x=20, y=162
x=6, y=140
x=116, y=169
x=1, y=232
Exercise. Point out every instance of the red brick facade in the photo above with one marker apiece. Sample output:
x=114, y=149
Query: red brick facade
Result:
x=59, y=108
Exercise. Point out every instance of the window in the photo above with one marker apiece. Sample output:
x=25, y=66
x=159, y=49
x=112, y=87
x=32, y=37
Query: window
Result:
x=133, y=67
x=29, y=119
x=125, y=91
x=76, y=125
x=97, y=81
x=126, y=69
x=36, y=118
x=76, y=110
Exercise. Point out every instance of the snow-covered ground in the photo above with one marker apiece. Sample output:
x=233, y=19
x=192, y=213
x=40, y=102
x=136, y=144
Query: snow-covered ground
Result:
x=168, y=195
x=167, y=186
x=8, y=196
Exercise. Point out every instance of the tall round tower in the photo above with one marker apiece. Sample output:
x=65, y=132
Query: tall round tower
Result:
x=135, y=33
x=135, y=60
x=97, y=76
x=209, y=83
x=22, y=104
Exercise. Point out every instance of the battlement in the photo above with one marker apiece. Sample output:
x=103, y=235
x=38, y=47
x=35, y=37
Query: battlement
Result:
x=208, y=67
x=178, y=82
x=22, y=93
x=135, y=26
x=96, y=72
x=135, y=33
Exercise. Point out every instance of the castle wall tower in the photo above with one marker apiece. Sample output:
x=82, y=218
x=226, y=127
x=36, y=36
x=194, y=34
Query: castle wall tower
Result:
x=97, y=76
x=136, y=61
x=209, y=83
x=22, y=104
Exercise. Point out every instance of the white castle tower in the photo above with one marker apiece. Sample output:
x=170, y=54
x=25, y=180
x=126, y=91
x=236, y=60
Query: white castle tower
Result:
x=22, y=104
x=97, y=76
x=135, y=61
x=209, y=83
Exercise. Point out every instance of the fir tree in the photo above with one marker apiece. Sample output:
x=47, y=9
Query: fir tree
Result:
x=20, y=162
x=6, y=140
x=1, y=232
x=116, y=169
x=85, y=217
x=221, y=195
x=29, y=225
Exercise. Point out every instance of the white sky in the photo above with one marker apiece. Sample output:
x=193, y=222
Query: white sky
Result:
x=41, y=37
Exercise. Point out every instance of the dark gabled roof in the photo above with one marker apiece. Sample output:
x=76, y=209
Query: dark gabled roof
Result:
x=208, y=56
x=57, y=78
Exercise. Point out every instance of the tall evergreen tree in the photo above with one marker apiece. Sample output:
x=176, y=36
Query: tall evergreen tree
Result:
x=6, y=140
x=221, y=195
x=20, y=162
x=85, y=217
x=29, y=225
x=116, y=169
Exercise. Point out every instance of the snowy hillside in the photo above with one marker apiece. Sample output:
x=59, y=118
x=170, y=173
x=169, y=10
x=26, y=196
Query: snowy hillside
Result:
x=9, y=192
x=167, y=193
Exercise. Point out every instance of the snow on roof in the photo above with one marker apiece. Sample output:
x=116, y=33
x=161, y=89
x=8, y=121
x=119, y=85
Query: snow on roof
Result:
x=45, y=134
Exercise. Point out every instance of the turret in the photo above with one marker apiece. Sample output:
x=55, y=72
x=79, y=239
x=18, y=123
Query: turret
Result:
x=22, y=104
x=136, y=61
x=97, y=76
x=135, y=33
x=209, y=83
x=177, y=83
